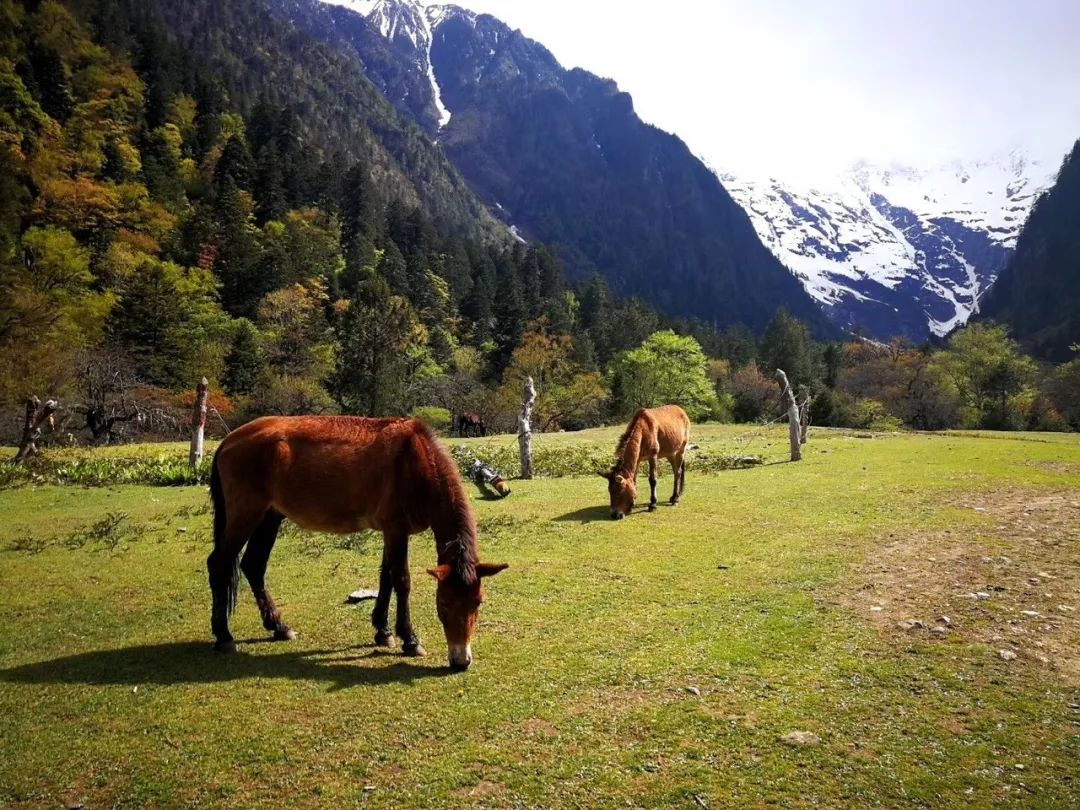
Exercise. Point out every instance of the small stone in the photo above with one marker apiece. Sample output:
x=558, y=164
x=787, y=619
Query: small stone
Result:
x=982, y=595
x=181, y=529
x=368, y=788
x=800, y=739
x=1019, y=766
x=693, y=690
x=911, y=624
x=938, y=630
x=980, y=508
x=1044, y=575
x=1032, y=613
x=1035, y=580
x=944, y=620
x=1066, y=608
x=361, y=595
x=876, y=608
x=1007, y=655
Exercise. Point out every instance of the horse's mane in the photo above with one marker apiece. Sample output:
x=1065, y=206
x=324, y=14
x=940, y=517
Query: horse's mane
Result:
x=631, y=430
x=457, y=546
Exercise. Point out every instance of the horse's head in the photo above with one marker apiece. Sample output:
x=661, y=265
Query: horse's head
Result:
x=457, y=604
x=622, y=490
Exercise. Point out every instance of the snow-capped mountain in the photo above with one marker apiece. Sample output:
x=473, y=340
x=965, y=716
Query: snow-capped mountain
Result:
x=408, y=26
x=898, y=251
x=561, y=157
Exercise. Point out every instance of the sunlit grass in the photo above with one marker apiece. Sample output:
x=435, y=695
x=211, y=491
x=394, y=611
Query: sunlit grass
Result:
x=588, y=647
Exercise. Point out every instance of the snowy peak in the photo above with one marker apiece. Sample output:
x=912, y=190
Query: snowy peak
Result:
x=893, y=250
x=408, y=26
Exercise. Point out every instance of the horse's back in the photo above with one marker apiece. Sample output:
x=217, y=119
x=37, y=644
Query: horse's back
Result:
x=336, y=474
x=672, y=427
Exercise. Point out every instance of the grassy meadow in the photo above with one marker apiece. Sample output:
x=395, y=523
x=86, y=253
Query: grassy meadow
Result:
x=909, y=602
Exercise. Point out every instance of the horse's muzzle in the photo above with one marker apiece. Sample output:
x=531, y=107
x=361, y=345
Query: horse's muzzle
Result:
x=460, y=657
x=617, y=515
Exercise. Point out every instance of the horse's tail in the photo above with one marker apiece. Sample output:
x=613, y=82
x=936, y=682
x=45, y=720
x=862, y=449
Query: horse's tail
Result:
x=217, y=499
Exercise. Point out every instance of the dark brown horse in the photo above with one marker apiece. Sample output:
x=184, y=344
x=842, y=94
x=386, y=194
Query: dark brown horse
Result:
x=471, y=424
x=342, y=475
x=653, y=433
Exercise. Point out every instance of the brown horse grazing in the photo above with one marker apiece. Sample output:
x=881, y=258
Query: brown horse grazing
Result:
x=341, y=475
x=652, y=434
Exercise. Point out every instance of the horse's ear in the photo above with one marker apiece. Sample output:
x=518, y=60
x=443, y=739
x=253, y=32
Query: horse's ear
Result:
x=440, y=572
x=490, y=569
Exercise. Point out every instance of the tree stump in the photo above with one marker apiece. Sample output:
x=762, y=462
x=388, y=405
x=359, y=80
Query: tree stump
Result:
x=36, y=416
x=794, y=417
x=528, y=400
x=198, y=424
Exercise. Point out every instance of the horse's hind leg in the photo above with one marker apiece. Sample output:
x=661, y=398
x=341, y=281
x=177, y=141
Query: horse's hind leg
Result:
x=682, y=478
x=678, y=467
x=380, y=615
x=253, y=565
x=224, y=574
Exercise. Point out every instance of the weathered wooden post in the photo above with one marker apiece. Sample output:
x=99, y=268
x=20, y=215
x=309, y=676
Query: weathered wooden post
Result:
x=528, y=400
x=794, y=419
x=804, y=418
x=36, y=416
x=198, y=424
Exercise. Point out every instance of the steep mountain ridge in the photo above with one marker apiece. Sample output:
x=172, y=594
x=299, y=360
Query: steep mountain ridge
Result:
x=562, y=157
x=1038, y=293
x=894, y=250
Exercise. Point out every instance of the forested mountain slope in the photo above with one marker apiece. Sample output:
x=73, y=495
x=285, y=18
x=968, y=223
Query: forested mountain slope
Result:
x=1038, y=293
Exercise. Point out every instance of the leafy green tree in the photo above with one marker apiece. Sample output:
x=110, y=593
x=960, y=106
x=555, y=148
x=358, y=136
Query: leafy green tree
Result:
x=566, y=394
x=787, y=345
x=245, y=364
x=1063, y=387
x=167, y=320
x=987, y=369
x=666, y=369
x=384, y=361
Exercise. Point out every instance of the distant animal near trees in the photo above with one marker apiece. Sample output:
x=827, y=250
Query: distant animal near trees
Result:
x=653, y=433
x=471, y=424
x=342, y=475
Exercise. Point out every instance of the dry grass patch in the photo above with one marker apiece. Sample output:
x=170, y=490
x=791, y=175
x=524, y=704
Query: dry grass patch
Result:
x=1011, y=581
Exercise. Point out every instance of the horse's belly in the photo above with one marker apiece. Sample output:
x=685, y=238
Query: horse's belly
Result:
x=331, y=524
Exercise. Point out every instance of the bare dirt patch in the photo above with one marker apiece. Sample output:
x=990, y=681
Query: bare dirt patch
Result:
x=1011, y=582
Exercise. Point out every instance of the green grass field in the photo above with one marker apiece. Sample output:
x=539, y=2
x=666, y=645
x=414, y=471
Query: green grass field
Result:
x=656, y=661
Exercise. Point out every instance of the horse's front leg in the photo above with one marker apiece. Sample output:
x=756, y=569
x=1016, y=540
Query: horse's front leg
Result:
x=380, y=615
x=410, y=642
x=652, y=484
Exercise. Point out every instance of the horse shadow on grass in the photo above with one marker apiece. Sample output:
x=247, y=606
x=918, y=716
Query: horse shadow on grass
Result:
x=190, y=662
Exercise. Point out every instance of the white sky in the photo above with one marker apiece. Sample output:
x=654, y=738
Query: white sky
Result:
x=800, y=89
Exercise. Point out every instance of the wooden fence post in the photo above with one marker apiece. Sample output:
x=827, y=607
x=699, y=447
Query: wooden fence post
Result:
x=36, y=416
x=528, y=400
x=198, y=424
x=804, y=418
x=794, y=418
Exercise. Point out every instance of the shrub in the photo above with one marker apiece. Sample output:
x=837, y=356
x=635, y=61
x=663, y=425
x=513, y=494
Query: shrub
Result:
x=438, y=418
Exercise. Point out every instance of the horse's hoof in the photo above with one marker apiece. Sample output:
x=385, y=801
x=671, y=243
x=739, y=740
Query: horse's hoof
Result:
x=284, y=634
x=673, y=503
x=225, y=646
x=384, y=639
x=413, y=651
x=652, y=507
